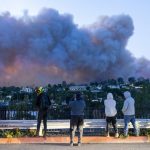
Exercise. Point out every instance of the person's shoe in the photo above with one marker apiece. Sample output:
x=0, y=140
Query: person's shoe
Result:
x=107, y=135
x=136, y=134
x=37, y=134
x=116, y=135
x=44, y=135
x=79, y=143
x=126, y=135
x=71, y=143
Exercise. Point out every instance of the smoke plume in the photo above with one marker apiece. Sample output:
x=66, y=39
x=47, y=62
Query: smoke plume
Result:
x=50, y=48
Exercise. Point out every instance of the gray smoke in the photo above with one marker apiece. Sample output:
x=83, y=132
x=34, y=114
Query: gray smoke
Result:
x=50, y=48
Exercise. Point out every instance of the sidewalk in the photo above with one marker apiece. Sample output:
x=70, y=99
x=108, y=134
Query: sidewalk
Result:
x=86, y=139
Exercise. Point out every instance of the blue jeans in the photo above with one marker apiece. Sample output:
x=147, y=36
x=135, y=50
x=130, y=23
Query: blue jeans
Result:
x=127, y=120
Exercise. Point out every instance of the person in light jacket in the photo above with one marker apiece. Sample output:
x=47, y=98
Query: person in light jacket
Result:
x=129, y=113
x=110, y=113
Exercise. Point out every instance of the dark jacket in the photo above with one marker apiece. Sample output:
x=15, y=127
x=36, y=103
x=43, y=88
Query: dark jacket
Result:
x=40, y=98
x=77, y=107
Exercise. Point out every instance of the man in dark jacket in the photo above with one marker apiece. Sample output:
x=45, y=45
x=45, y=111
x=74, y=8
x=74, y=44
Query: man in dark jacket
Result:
x=42, y=102
x=77, y=118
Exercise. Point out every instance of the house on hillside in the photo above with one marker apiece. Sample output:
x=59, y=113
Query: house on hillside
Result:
x=26, y=90
x=77, y=88
x=113, y=86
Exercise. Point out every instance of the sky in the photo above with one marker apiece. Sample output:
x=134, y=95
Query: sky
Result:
x=50, y=41
x=86, y=12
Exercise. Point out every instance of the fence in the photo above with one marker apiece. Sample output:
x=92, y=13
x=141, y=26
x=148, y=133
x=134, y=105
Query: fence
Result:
x=61, y=127
x=61, y=113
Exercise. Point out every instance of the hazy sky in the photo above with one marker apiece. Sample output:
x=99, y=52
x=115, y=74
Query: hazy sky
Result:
x=86, y=12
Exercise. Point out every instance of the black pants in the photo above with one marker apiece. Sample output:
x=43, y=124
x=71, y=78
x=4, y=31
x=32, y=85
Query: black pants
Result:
x=42, y=115
x=76, y=122
x=113, y=121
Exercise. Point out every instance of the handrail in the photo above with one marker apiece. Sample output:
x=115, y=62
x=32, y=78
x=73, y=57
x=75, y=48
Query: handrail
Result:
x=65, y=124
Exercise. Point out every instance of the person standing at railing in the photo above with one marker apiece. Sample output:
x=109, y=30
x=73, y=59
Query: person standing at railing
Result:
x=129, y=113
x=43, y=103
x=110, y=113
x=77, y=118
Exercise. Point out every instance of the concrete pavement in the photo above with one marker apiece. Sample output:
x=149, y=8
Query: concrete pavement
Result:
x=85, y=140
x=101, y=146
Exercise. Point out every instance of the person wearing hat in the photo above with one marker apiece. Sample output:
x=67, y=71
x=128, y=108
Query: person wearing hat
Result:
x=42, y=103
x=129, y=113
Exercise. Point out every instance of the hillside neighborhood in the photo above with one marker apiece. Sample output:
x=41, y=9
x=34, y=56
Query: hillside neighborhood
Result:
x=94, y=93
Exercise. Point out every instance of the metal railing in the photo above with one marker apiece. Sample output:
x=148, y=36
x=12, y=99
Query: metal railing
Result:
x=62, y=112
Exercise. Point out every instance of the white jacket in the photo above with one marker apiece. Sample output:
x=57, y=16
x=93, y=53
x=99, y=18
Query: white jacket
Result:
x=110, y=106
x=128, y=107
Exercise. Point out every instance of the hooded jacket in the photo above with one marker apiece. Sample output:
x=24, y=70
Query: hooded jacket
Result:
x=77, y=106
x=110, y=106
x=128, y=107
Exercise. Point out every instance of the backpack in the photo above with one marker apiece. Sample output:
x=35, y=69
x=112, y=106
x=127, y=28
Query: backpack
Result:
x=44, y=102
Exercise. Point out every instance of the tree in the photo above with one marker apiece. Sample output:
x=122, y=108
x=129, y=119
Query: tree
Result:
x=112, y=82
x=120, y=80
x=88, y=88
x=131, y=80
x=64, y=84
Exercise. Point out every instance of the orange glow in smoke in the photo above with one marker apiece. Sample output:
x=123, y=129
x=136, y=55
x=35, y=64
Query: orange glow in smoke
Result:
x=11, y=70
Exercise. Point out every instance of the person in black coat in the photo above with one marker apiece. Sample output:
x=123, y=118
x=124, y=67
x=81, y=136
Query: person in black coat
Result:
x=42, y=103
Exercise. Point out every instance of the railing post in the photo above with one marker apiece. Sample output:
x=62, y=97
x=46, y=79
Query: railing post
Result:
x=40, y=133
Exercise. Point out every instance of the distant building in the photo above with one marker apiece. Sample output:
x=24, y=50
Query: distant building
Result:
x=124, y=86
x=63, y=103
x=99, y=87
x=95, y=100
x=114, y=86
x=8, y=96
x=95, y=91
x=138, y=87
x=26, y=90
x=60, y=89
x=77, y=88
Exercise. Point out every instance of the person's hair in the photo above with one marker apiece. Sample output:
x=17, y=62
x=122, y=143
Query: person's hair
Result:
x=78, y=96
